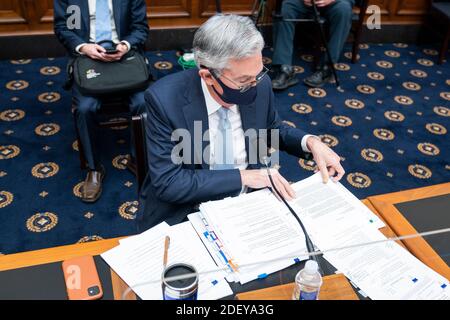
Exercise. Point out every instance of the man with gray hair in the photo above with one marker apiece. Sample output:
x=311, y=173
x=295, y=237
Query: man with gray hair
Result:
x=215, y=113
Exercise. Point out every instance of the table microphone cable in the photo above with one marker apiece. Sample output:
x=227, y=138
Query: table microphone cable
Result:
x=309, y=244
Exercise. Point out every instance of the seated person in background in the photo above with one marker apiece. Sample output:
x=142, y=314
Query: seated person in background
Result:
x=338, y=13
x=123, y=22
x=216, y=105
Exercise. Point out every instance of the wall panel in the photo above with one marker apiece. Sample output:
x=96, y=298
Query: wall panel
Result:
x=23, y=17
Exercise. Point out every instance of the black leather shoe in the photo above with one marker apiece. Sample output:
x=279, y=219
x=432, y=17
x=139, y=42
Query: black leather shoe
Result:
x=285, y=78
x=92, y=187
x=319, y=78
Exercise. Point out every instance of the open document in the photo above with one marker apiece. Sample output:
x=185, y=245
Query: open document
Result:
x=254, y=227
x=251, y=228
x=384, y=270
x=245, y=273
x=138, y=261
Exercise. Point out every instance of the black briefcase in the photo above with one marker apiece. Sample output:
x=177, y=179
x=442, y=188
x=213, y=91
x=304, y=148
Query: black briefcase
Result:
x=98, y=78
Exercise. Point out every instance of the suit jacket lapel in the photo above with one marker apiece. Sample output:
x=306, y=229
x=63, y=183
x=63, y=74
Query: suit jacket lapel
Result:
x=117, y=14
x=195, y=111
x=84, y=8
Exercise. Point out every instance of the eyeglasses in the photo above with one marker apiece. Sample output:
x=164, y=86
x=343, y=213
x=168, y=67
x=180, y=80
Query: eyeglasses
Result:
x=245, y=87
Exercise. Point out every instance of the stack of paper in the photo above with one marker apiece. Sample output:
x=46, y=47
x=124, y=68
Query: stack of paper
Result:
x=254, y=234
x=138, y=260
x=384, y=270
x=244, y=231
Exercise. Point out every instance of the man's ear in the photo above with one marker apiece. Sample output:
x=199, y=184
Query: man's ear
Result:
x=206, y=76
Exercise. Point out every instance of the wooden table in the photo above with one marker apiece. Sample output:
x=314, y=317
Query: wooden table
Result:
x=334, y=287
x=385, y=206
x=380, y=205
x=37, y=257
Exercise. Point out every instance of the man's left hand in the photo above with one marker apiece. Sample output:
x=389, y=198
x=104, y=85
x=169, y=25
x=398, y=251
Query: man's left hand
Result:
x=122, y=49
x=328, y=162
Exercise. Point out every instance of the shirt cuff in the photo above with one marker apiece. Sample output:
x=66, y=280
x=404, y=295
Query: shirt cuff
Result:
x=304, y=139
x=127, y=44
x=77, y=49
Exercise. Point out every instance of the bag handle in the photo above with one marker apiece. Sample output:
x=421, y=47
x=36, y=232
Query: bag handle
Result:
x=107, y=41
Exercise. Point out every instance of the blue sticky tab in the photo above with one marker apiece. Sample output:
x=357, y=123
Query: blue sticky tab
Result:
x=213, y=235
x=222, y=258
x=444, y=286
x=223, y=255
x=415, y=280
x=296, y=260
x=206, y=234
x=262, y=276
x=214, y=282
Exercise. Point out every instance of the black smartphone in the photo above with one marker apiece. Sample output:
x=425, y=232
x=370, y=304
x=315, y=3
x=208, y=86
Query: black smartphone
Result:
x=111, y=51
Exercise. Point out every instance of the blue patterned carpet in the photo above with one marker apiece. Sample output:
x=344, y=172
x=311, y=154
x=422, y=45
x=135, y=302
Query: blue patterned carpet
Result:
x=389, y=123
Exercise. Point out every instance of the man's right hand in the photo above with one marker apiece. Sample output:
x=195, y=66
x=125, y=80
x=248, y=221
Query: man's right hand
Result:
x=258, y=179
x=94, y=51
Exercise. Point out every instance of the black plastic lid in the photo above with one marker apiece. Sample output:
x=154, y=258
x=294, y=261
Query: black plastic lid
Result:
x=178, y=270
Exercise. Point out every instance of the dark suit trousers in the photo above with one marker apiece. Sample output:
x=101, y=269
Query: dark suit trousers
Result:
x=338, y=15
x=86, y=109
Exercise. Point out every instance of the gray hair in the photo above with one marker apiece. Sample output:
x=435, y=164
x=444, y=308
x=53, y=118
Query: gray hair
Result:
x=225, y=37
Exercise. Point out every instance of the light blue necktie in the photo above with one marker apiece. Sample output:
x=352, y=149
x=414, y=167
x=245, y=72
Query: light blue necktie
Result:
x=103, y=29
x=224, y=158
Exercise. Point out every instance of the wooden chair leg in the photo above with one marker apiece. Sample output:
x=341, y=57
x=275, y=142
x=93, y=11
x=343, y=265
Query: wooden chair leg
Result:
x=444, y=47
x=83, y=161
x=355, y=49
x=140, y=149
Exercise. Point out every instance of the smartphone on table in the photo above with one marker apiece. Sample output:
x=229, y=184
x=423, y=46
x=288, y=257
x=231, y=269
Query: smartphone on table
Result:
x=82, y=280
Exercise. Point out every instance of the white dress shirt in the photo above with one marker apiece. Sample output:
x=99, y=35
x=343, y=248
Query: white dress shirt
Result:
x=92, y=15
x=240, y=154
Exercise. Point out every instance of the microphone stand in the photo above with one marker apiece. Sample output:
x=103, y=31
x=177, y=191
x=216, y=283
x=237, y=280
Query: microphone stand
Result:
x=324, y=41
x=218, y=6
x=257, y=10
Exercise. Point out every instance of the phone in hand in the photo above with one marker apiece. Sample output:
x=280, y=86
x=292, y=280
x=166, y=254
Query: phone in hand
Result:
x=111, y=51
x=82, y=281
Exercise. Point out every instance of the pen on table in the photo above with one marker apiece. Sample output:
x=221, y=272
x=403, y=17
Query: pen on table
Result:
x=166, y=251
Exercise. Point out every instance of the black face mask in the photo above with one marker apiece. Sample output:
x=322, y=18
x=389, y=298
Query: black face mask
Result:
x=235, y=96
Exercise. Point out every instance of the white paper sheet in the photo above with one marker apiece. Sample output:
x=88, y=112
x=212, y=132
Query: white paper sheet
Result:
x=139, y=260
x=321, y=198
x=254, y=227
x=383, y=270
x=244, y=274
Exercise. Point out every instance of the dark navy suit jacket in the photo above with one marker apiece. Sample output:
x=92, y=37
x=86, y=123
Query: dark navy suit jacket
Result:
x=130, y=17
x=172, y=191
